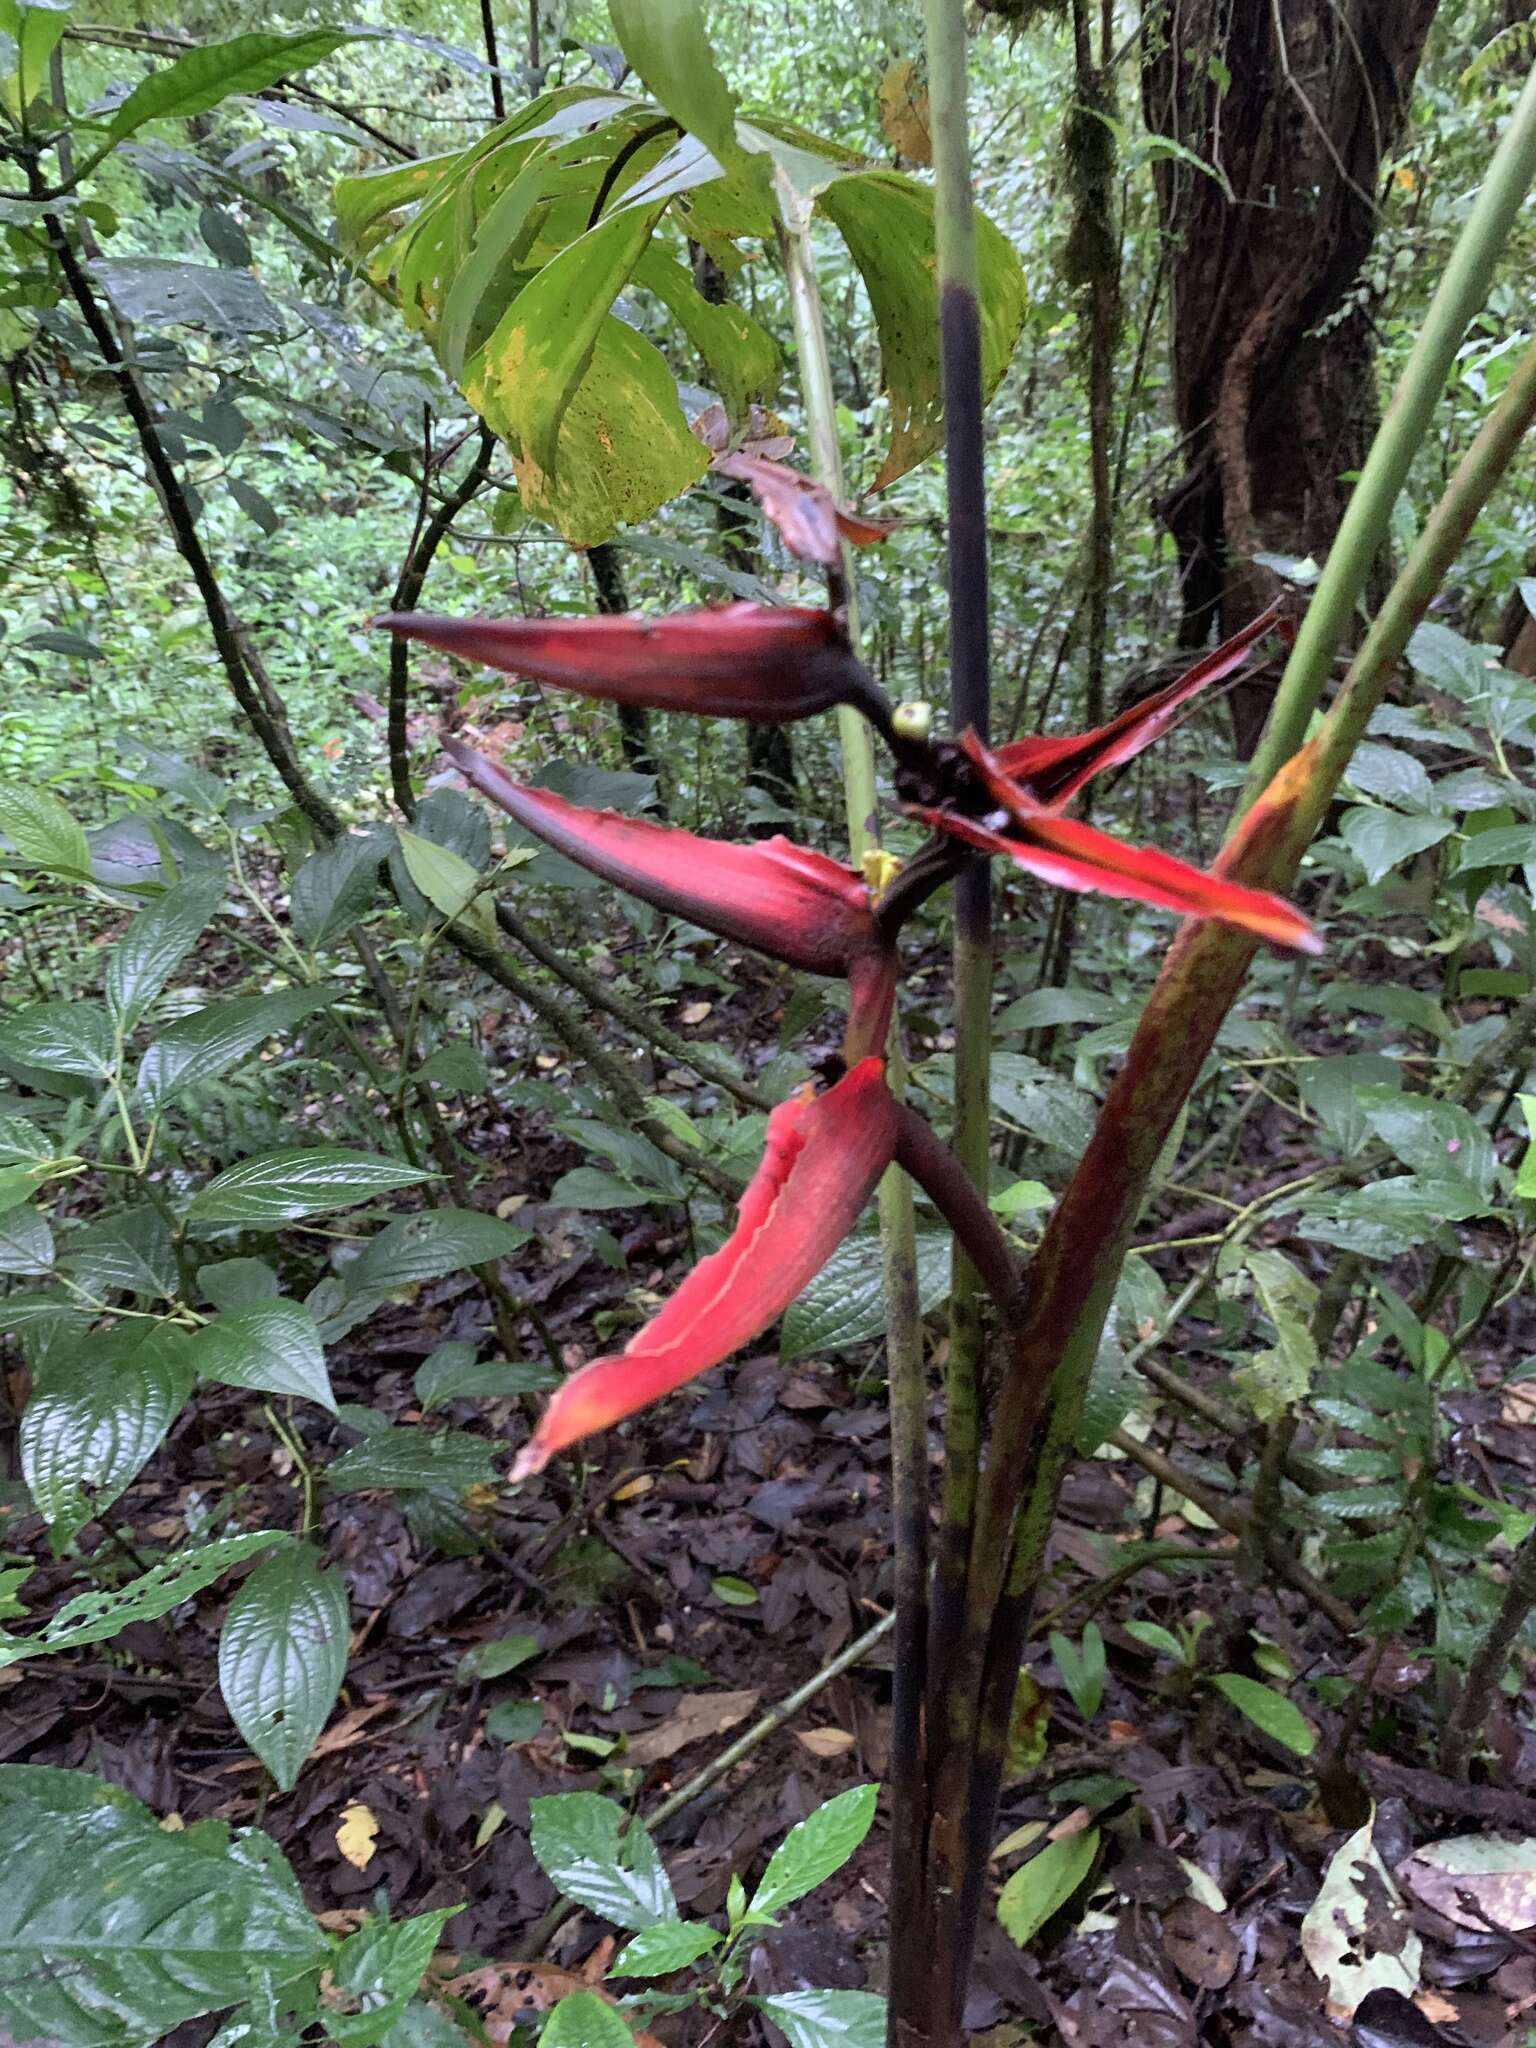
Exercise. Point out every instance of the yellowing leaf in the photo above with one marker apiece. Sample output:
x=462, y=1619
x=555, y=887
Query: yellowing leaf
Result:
x=358, y=1835
x=904, y=111
x=1357, y=1935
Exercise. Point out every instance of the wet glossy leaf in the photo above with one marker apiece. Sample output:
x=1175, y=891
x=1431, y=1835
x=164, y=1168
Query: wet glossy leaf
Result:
x=338, y=885
x=827, y=2019
x=155, y=944
x=42, y=830
x=657, y=1952
x=402, y=1460
x=96, y=1417
x=70, y=1038
x=378, y=1969
x=583, y=2020
x=96, y=1617
x=155, y=291
x=812, y=1851
x=302, y=1180
x=108, y=1913
x=208, y=1043
x=283, y=1655
x=272, y=1346
x=205, y=76
x=436, y=1242
x=576, y=1838
x=452, y=1373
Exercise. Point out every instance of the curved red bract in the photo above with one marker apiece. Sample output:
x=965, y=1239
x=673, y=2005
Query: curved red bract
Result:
x=786, y=901
x=824, y=1156
x=771, y=663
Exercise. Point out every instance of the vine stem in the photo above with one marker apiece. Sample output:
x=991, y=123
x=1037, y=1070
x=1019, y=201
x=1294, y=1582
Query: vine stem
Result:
x=898, y=1226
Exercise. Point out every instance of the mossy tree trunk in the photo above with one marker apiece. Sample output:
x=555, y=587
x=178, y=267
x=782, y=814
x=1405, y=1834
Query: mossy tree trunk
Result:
x=1296, y=104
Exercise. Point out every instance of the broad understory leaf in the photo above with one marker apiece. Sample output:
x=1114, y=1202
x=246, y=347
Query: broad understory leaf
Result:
x=96, y=1417
x=117, y=1930
x=812, y=1851
x=302, y=1180
x=282, y=1657
x=204, y=77
x=272, y=1346
x=212, y=1040
x=42, y=830
x=576, y=1838
x=155, y=944
x=827, y=2019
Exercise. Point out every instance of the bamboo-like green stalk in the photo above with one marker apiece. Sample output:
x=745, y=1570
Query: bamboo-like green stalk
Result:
x=898, y=1227
x=1367, y=518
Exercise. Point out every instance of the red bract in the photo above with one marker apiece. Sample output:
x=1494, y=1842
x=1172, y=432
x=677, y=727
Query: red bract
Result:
x=1070, y=855
x=1052, y=771
x=784, y=900
x=824, y=1156
x=765, y=662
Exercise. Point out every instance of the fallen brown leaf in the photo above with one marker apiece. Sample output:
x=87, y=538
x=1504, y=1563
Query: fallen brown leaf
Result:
x=697, y=1715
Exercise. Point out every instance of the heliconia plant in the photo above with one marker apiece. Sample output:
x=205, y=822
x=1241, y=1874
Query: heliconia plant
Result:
x=1014, y=1378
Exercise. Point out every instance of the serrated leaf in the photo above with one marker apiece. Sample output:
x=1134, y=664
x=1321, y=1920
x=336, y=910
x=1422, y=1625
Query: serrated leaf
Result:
x=1268, y=1710
x=96, y=1617
x=155, y=944
x=42, y=831
x=302, y=1180
x=283, y=1655
x=1043, y=1885
x=117, y=1930
x=1382, y=840
x=576, y=1838
x=70, y=1038
x=402, y=1460
x=208, y=1043
x=827, y=2019
x=271, y=1346
x=26, y=1244
x=810, y=1853
x=127, y=1252
x=95, y=1419
x=583, y=2020
x=379, y=1968
x=338, y=885
x=452, y=1373
x=427, y=1246
x=233, y=1283
x=845, y=1304
x=658, y=1951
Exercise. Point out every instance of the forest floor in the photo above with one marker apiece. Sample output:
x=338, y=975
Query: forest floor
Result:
x=773, y=1479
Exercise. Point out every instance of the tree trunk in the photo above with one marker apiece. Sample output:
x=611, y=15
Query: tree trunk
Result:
x=634, y=725
x=1295, y=103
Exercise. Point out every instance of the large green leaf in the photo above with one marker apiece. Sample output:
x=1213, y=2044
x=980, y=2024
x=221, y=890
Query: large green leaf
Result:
x=200, y=1047
x=282, y=1657
x=70, y=1038
x=116, y=1930
x=475, y=300
x=205, y=76
x=887, y=222
x=377, y=1970
x=541, y=347
x=42, y=831
x=827, y=2019
x=301, y=1180
x=1045, y=1883
x=127, y=1251
x=26, y=1243
x=337, y=885
x=741, y=357
x=624, y=445
x=96, y=1617
x=667, y=43
x=577, y=1840
x=815, y=1849
x=272, y=1346
x=427, y=1246
x=155, y=944
x=583, y=2020
x=94, y=1419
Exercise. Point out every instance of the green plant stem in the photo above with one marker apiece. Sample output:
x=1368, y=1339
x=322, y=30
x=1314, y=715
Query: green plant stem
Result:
x=898, y=1227
x=1367, y=519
